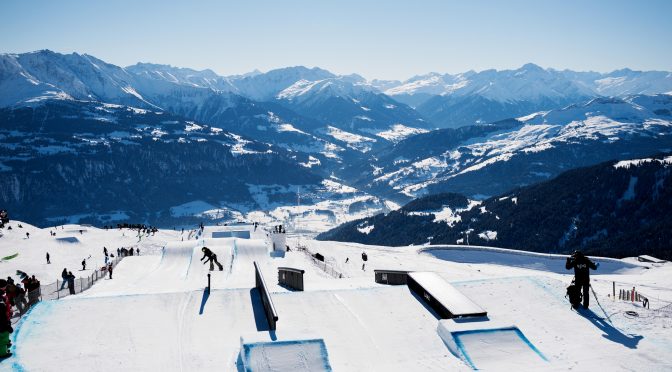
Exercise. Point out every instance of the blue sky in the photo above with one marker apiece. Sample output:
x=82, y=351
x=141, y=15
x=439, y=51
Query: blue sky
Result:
x=378, y=39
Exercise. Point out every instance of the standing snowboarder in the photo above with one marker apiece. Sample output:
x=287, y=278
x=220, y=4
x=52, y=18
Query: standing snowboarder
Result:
x=71, y=283
x=581, y=265
x=212, y=258
x=364, y=259
x=64, y=276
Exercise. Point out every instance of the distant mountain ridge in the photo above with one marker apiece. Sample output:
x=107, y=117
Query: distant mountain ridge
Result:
x=478, y=97
x=614, y=209
x=444, y=100
x=335, y=128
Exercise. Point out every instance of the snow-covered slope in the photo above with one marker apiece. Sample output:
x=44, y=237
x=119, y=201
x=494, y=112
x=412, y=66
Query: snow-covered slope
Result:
x=533, y=149
x=363, y=325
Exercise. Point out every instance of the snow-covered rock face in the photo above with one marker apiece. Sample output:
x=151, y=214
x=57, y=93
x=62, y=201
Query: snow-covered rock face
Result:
x=265, y=86
x=79, y=76
x=305, y=89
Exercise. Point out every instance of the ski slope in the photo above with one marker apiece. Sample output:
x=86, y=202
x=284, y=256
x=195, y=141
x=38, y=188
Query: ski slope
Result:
x=155, y=314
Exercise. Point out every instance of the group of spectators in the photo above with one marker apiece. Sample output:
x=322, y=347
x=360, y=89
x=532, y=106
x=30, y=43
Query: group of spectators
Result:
x=123, y=251
x=136, y=226
x=16, y=292
x=14, y=295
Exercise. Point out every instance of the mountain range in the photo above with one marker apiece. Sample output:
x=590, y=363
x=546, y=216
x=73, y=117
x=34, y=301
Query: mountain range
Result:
x=376, y=139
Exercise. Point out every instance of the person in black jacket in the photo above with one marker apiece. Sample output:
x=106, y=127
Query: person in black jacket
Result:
x=71, y=283
x=211, y=257
x=64, y=276
x=581, y=265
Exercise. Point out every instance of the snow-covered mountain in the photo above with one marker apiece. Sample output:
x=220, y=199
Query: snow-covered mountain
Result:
x=344, y=126
x=266, y=86
x=91, y=162
x=350, y=105
x=477, y=97
x=491, y=159
x=615, y=209
x=182, y=76
x=44, y=74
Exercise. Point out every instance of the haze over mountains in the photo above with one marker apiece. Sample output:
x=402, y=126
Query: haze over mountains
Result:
x=201, y=145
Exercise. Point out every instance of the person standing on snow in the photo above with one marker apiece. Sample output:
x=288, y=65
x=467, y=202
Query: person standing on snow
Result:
x=5, y=323
x=84, y=264
x=364, y=259
x=71, y=283
x=48, y=260
x=581, y=265
x=20, y=300
x=64, y=276
x=212, y=258
x=109, y=269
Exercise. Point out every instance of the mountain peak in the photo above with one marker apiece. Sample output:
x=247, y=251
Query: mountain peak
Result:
x=531, y=67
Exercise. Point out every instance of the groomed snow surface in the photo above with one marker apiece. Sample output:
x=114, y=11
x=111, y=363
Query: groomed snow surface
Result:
x=155, y=315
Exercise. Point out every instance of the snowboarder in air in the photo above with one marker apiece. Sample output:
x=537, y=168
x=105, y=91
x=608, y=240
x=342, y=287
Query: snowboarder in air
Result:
x=581, y=265
x=211, y=257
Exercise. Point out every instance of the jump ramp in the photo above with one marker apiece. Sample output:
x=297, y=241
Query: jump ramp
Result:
x=489, y=345
x=245, y=253
x=442, y=297
x=242, y=234
x=67, y=240
x=284, y=355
